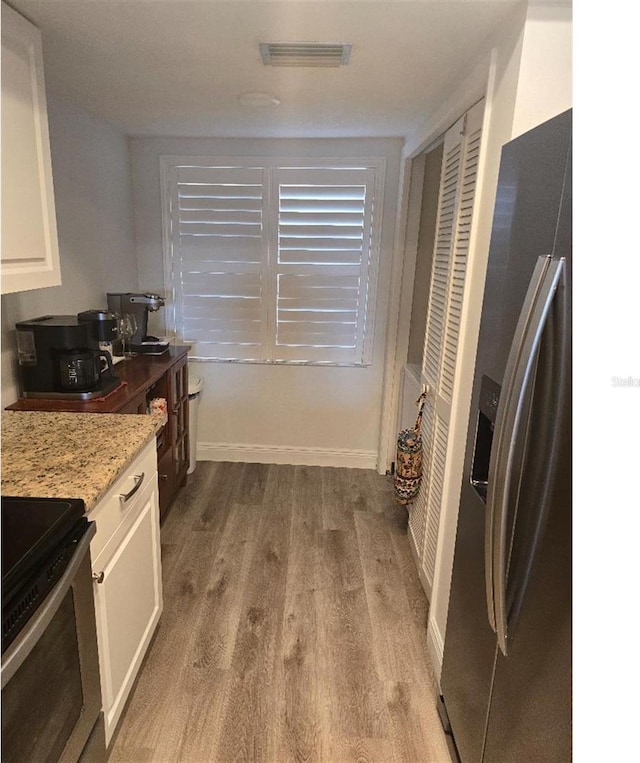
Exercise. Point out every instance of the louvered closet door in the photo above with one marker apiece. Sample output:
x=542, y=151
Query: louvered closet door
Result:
x=451, y=249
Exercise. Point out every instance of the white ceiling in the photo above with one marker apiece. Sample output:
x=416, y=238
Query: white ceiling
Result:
x=177, y=67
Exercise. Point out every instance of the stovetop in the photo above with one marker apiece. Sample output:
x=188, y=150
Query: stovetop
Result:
x=32, y=529
x=39, y=536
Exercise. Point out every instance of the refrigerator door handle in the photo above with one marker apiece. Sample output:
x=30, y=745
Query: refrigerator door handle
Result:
x=560, y=363
x=521, y=366
x=525, y=366
x=497, y=464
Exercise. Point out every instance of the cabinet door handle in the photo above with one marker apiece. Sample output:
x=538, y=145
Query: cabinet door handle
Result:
x=138, y=479
x=98, y=576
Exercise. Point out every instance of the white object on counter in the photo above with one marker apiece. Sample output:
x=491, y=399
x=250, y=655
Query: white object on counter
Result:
x=158, y=405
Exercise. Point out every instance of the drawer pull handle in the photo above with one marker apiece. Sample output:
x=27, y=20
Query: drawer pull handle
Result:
x=138, y=479
x=98, y=576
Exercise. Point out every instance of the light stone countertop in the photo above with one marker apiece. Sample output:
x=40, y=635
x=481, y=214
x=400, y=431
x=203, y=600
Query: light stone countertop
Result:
x=70, y=455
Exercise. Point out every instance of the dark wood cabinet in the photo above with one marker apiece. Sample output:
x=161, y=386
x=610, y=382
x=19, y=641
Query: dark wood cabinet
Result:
x=179, y=417
x=144, y=378
x=137, y=404
x=173, y=455
x=167, y=483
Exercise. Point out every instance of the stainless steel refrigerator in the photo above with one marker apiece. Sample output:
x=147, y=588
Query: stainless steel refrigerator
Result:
x=506, y=677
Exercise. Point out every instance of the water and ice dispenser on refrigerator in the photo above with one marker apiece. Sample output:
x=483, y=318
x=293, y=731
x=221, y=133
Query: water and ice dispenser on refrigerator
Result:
x=487, y=412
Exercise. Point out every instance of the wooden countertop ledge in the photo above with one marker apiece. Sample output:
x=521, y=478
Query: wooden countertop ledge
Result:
x=138, y=373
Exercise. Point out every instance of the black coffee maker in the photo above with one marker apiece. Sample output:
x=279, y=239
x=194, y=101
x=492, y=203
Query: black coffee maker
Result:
x=57, y=359
x=103, y=333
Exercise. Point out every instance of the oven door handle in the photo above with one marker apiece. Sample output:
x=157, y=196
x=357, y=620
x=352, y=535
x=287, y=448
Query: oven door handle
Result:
x=20, y=649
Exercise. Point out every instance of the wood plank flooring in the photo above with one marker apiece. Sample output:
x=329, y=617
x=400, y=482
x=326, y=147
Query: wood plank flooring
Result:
x=294, y=626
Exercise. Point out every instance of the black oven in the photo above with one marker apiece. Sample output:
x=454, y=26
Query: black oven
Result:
x=51, y=702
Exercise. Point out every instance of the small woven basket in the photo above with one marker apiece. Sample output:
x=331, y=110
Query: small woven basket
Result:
x=406, y=480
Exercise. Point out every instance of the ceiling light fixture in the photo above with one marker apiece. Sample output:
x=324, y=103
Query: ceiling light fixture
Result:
x=258, y=99
x=323, y=54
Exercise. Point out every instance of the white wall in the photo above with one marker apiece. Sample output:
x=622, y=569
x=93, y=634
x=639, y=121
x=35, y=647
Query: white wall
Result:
x=524, y=72
x=287, y=414
x=92, y=190
x=545, y=71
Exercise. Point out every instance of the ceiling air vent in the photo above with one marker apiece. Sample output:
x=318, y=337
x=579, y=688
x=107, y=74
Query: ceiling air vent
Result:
x=305, y=53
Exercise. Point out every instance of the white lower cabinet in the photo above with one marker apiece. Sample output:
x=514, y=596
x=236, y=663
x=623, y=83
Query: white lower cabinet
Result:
x=126, y=570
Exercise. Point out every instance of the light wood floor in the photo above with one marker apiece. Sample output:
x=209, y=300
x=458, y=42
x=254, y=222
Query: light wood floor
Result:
x=294, y=626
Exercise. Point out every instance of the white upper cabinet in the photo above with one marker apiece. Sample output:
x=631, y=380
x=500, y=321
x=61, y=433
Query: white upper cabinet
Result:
x=30, y=258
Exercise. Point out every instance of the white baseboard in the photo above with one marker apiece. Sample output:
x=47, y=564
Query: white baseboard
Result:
x=277, y=454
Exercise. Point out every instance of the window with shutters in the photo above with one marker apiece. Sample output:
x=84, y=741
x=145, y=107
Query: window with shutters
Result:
x=272, y=263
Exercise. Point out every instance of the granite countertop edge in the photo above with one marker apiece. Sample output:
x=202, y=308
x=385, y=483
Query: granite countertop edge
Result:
x=70, y=455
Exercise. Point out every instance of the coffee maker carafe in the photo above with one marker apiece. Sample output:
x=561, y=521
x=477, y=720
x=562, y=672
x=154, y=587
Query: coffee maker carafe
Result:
x=139, y=305
x=57, y=360
x=80, y=370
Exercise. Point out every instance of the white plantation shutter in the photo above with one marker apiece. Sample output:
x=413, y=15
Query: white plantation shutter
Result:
x=451, y=249
x=271, y=263
x=217, y=237
x=325, y=220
